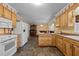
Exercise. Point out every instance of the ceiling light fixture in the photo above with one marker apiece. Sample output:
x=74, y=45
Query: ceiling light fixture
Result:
x=37, y=4
x=41, y=25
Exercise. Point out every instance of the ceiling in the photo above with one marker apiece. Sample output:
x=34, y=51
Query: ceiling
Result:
x=38, y=14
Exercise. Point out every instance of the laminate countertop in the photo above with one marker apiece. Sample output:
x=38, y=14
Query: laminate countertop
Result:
x=48, y=34
x=74, y=37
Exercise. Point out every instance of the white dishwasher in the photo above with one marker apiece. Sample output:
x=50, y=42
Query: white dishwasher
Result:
x=7, y=45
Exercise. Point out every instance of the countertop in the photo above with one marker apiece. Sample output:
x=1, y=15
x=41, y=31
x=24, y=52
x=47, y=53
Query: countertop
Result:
x=74, y=37
x=46, y=34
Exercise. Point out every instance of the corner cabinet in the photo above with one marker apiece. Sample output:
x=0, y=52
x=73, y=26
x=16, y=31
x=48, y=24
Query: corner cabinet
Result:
x=1, y=10
x=14, y=17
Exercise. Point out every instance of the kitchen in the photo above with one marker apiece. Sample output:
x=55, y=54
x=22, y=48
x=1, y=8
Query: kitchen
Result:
x=33, y=33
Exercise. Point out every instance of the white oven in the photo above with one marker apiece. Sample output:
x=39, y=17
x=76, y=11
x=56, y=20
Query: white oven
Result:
x=8, y=46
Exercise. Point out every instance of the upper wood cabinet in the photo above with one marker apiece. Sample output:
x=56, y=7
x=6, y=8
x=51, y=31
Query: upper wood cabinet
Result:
x=7, y=13
x=1, y=10
x=65, y=19
x=57, y=22
x=70, y=18
x=14, y=17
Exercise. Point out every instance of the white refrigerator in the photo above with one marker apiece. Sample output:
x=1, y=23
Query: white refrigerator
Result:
x=22, y=29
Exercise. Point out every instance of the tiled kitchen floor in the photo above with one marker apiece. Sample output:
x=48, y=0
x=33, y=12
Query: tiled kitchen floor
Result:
x=32, y=49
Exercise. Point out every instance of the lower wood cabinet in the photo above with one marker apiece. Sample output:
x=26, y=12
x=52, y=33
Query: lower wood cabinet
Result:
x=53, y=40
x=75, y=50
x=59, y=42
x=67, y=48
x=45, y=41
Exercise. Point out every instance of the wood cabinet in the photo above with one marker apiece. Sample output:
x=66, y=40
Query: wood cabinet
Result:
x=67, y=47
x=70, y=19
x=59, y=42
x=75, y=50
x=45, y=41
x=13, y=19
x=7, y=13
x=53, y=40
x=1, y=10
x=57, y=24
x=64, y=19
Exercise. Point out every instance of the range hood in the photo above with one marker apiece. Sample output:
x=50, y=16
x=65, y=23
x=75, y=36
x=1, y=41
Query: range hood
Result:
x=5, y=23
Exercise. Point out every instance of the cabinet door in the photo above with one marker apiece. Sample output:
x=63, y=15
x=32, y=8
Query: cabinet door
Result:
x=7, y=13
x=65, y=19
x=42, y=41
x=1, y=10
x=57, y=22
x=45, y=41
x=70, y=19
x=13, y=19
x=67, y=48
x=75, y=50
x=59, y=42
x=53, y=40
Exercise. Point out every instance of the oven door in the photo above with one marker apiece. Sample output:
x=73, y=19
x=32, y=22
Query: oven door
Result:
x=9, y=47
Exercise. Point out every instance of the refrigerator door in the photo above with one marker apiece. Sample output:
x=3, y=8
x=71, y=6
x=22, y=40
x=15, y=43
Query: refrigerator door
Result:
x=24, y=34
